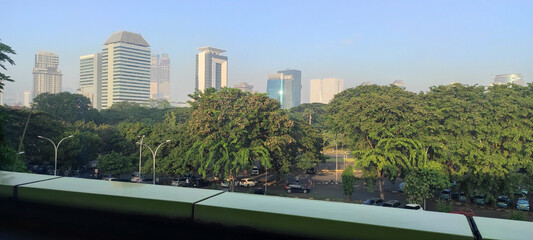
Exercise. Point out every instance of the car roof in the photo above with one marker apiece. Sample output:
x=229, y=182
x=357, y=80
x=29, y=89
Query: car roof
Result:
x=392, y=201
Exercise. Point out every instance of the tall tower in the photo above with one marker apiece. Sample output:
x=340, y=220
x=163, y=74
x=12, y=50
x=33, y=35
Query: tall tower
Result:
x=46, y=75
x=125, y=69
x=91, y=78
x=27, y=99
x=160, y=77
x=323, y=90
x=164, y=77
x=211, y=69
x=286, y=87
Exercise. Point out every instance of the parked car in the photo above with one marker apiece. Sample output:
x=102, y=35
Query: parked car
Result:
x=259, y=190
x=522, y=204
x=135, y=177
x=504, y=201
x=413, y=206
x=247, y=182
x=462, y=197
x=521, y=192
x=199, y=182
x=374, y=201
x=296, y=187
x=455, y=195
x=479, y=199
x=175, y=182
x=255, y=171
x=310, y=171
x=392, y=203
x=445, y=194
x=400, y=187
x=226, y=183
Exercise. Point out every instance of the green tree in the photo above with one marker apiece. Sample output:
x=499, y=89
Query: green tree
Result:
x=66, y=106
x=4, y=57
x=232, y=129
x=114, y=164
x=348, y=181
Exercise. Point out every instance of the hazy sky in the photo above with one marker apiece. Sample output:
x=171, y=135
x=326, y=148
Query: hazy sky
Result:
x=423, y=43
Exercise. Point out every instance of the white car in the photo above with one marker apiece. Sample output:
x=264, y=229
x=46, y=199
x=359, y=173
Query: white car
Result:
x=247, y=182
x=414, y=206
x=226, y=183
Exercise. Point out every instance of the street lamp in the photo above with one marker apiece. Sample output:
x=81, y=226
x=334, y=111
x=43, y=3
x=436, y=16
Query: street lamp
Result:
x=336, y=159
x=154, y=154
x=55, y=148
x=140, y=155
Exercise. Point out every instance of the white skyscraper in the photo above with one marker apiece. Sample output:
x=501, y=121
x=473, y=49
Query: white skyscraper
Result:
x=125, y=69
x=323, y=90
x=211, y=68
x=46, y=75
x=91, y=78
x=27, y=99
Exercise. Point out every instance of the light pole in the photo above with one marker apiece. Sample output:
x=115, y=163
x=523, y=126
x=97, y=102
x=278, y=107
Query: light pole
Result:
x=140, y=156
x=336, y=159
x=154, y=154
x=266, y=179
x=55, y=148
x=344, y=159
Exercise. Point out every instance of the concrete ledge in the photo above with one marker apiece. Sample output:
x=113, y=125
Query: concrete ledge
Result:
x=328, y=220
x=492, y=228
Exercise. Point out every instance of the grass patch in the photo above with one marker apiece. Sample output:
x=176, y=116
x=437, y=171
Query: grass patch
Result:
x=443, y=206
x=517, y=215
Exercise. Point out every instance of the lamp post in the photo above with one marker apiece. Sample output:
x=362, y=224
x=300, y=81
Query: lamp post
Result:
x=266, y=179
x=336, y=159
x=140, y=156
x=154, y=154
x=55, y=148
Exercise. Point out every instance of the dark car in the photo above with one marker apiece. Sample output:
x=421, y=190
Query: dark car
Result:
x=199, y=182
x=462, y=197
x=504, y=201
x=259, y=191
x=479, y=199
x=374, y=201
x=445, y=194
x=296, y=187
x=392, y=203
x=310, y=171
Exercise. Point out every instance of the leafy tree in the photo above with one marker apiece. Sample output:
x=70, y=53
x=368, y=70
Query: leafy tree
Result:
x=8, y=160
x=232, y=129
x=348, y=181
x=132, y=112
x=4, y=51
x=114, y=164
x=66, y=106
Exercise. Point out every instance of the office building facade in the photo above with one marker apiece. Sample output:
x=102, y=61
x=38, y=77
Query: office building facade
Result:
x=91, y=78
x=211, y=69
x=160, y=77
x=286, y=87
x=47, y=78
x=27, y=99
x=323, y=90
x=125, y=69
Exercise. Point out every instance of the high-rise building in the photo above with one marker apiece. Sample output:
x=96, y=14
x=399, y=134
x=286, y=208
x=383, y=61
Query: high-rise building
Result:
x=245, y=87
x=211, y=69
x=399, y=83
x=125, y=69
x=323, y=90
x=46, y=75
x=160, y=77
x=286, y=87
x=508, y=78
x=27, y=99
x=91, y=78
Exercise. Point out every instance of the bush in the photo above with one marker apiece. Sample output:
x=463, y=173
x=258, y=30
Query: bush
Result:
x=442, y=206
x=517, y=215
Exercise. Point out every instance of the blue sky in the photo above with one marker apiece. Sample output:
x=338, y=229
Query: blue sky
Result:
x=423, y=43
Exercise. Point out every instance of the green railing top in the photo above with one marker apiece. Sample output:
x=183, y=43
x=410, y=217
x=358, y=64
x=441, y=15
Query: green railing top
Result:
x=8, y=180
x=492, y=228
x=246, y=206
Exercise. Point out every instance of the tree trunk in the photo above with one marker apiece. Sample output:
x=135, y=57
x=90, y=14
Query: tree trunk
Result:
x=231, y=183
x=380, y=185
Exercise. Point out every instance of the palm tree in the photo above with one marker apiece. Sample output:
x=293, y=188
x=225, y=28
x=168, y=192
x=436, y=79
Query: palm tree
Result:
x=4, y=50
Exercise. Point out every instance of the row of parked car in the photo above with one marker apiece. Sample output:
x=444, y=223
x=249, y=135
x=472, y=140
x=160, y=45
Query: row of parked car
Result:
x=502, y=201
x=391, y=203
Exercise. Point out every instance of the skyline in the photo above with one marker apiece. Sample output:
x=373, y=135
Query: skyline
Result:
x=423, y=44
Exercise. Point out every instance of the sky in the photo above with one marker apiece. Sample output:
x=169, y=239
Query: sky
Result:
x=423, y=43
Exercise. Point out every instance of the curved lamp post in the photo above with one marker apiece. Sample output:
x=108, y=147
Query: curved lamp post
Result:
x=55, y=148
x=153, y=154
x=140, y=156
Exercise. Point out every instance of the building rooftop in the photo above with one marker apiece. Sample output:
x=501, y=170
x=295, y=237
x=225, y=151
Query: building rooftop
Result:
x=127, y=37
x=211, y=49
